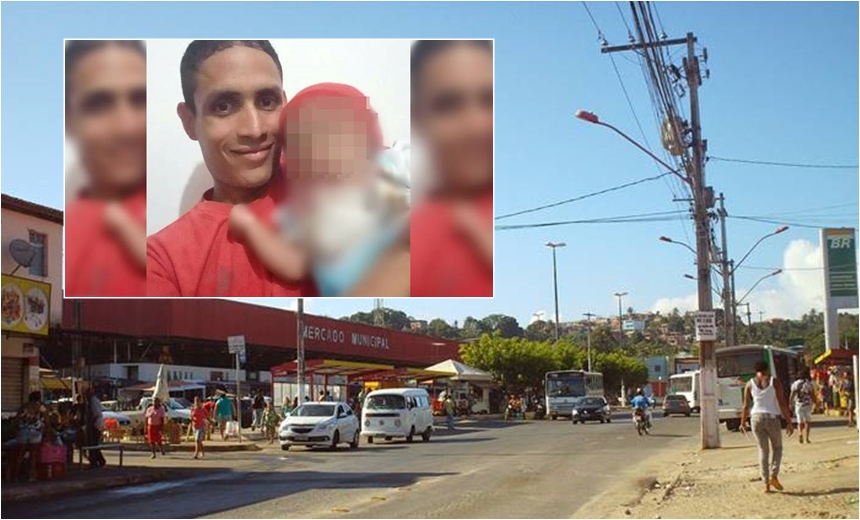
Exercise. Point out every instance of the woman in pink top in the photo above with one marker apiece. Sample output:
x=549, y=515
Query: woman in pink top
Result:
x=155, y=424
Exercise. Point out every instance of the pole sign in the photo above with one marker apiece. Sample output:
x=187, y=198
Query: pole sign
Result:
x=841, y=262
x=706, y=326
x=236, y=345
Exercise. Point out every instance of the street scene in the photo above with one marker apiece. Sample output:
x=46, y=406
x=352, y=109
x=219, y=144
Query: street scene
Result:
x=673, y=330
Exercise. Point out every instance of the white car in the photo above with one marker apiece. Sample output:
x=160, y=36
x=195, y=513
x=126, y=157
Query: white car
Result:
x=320, y=423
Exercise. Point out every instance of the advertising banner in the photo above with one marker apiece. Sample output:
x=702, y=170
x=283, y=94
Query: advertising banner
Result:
x=26, y=305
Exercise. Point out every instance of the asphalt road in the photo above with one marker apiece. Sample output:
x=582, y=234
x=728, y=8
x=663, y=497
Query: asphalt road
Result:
x=484, y=469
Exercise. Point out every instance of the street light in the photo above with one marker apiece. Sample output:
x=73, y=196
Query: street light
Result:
x=589, y=315
x=760, y=280
x=682, y=244
x=591, y=117
x=780, y=229
x=619, y=295
x=554, y=246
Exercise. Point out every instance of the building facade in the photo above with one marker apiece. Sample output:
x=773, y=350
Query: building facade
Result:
x=32, y=266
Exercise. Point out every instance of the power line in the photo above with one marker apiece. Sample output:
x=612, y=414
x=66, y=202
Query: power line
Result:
x=785, y=164
x=661, y=216
x=582, y=197
x=773, y=221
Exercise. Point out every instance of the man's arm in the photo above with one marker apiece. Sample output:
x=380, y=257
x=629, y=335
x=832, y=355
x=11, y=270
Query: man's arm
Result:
x=746, y=406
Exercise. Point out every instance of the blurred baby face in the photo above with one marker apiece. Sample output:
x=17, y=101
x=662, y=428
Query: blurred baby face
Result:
x=327, y=142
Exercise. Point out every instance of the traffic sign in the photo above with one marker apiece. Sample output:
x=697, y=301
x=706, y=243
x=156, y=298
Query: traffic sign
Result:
x=706, y=326
x=236, y=345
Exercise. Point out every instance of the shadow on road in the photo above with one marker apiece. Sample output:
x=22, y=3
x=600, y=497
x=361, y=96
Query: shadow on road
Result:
x=823, y=492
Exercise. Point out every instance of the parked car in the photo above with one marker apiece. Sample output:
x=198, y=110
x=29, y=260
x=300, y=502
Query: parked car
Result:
x=397, y=412
x=123, y=420
x=175, y=412
x=676, y=404
x=591, y=409
x=323, y=423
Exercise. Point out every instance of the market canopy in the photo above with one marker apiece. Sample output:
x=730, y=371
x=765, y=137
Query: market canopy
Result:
x=458, y=371
x=330, y=367
x=836, y=356
x=172, y=386
x=403, y=373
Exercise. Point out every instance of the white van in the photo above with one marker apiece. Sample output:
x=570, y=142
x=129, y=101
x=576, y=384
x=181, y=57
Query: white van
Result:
x=397, y=412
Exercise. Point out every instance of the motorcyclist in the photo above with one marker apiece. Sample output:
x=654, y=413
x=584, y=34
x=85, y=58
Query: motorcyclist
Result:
x=642, y=403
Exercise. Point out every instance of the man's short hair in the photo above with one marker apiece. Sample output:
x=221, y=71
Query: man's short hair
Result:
x=761, y=366
x=423, y=50
x=199, y=51
x=77, y=49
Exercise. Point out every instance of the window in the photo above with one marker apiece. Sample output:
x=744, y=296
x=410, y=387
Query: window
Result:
x=39, y=266
x=656, y=369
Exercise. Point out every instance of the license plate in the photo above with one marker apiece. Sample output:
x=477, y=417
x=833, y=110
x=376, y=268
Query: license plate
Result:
x=301, y=437
x=381, y=422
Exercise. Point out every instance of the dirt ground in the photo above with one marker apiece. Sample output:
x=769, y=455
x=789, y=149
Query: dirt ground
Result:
x=820, y=480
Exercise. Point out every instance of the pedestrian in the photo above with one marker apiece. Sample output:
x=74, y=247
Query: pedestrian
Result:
x=295, y=403
x=286, y=405
x=209, y=406
x=803, y=397
x=31, y=426
x=200, y=420
x=321, y=397
x=223, y=412
x=257, y=407
x=328, y=396
x=449, y=410
x=768, y=404
x=270, y=420
x=826, y=397
x=848, y=390
x=155, y=415
x=95, y=423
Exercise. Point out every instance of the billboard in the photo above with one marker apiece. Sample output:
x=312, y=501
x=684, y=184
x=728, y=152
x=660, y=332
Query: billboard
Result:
x=26, y=305
x=841, y=262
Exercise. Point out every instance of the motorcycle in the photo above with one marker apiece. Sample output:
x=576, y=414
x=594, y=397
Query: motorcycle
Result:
x=640, y=420
x=540, y=411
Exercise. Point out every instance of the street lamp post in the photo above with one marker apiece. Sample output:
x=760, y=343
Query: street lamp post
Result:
x=620, y=295
x=554, y=246
x=588, y=340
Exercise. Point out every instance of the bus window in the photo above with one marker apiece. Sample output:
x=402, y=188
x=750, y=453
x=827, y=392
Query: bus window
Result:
x=738, y=364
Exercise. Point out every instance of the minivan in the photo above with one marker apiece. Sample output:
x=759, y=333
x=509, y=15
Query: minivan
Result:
x=397, y=412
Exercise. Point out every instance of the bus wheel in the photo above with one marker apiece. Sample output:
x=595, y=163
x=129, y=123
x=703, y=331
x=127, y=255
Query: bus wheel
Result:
x=733, y=425
x=554, y=417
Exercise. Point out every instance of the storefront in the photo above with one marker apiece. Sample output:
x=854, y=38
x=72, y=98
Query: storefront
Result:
x=127, y=339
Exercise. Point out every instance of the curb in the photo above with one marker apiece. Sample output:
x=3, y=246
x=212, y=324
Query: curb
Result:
x=62, y=488
x=214, y=448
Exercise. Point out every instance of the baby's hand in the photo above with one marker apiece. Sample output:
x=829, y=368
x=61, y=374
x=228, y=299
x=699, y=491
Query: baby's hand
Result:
x=241, y=219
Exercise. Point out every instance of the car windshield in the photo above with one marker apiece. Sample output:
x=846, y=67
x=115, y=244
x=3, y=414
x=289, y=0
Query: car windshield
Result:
x=182, y=402
x=313, y=410
x=385, y=402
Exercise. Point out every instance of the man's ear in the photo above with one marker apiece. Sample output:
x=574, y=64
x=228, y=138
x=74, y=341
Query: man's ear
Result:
x=188, y=118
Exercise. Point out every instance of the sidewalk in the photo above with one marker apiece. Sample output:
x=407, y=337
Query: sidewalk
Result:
x=820, y=480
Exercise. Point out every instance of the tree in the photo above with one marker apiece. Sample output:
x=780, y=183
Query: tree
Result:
x=440, y=328
x=472, y=328
x=602, y=339
x=507, y=326
x=394, y=319
x=616, y=367
x=540, y=330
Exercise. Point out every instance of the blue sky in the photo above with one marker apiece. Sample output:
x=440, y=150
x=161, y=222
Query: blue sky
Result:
x=783, y=87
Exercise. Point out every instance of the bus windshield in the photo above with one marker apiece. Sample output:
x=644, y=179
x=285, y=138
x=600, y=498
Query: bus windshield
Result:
x=681, y=384
x=737, y=364
x=566, y=385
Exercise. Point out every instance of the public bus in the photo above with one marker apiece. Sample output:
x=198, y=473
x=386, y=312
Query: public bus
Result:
x=564, y=387
x=736, y=366
x=687, y=384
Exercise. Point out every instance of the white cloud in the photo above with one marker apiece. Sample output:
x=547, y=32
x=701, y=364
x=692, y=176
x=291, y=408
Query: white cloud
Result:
x=682, y=303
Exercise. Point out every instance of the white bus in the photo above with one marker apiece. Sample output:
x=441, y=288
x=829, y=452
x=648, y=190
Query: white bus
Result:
x=736, y=366
x=689, y=385
x=564, y=387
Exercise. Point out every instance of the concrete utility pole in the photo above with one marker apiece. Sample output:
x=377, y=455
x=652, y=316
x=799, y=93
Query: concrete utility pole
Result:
x=300, y=348
x=589, y=315
x=728, y=278
x=554, y=246
x=620, y=295
x=703, y=200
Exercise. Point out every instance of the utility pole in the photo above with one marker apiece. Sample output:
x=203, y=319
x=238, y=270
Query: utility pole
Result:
x=589, y=315
x=703, y=199
x=620, y=295
x=760, y=316
x=300, y=347
x=725, y=270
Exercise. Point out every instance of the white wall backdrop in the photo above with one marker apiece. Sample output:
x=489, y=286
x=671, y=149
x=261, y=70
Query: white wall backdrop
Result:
x=176, y=175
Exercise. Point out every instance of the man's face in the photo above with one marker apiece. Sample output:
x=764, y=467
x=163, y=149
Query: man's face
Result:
x=454, y=113
x=106, y=116
x=238, y=98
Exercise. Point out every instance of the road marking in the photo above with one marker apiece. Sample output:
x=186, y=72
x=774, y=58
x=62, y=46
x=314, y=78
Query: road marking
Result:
x=378, y=498
x=340, y=510
x=161, y=486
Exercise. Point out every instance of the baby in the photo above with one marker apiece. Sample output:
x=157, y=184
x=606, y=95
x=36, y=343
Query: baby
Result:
x=345, y=215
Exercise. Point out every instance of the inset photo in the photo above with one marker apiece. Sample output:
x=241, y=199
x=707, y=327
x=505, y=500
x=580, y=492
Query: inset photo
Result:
x=105, y=179
x=279, y=168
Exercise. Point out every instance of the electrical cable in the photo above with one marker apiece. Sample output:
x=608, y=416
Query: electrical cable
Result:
x=785, y=164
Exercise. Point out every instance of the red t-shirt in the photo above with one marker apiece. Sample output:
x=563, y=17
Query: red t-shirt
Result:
x=199, y=416
x=443, y=261
x=96, y=263
x=197, y=256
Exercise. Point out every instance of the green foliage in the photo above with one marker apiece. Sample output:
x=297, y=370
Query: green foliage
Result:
x=518, y=364
x=440, y=328
x=540, y=330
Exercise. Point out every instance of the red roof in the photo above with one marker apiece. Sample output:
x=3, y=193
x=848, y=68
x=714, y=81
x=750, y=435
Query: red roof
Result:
x=31, y=208
x=214, y=320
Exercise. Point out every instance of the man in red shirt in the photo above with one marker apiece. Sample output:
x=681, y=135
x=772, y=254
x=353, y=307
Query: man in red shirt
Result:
x=105, y=223
x=233, y=95
x=451, y=231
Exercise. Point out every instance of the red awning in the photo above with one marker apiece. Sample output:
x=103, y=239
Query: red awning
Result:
x=836, y=356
